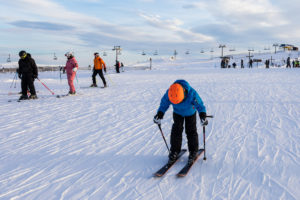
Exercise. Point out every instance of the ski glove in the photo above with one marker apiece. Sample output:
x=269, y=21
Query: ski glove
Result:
x=158, y=117
x=202, y=116
x=20, y=76
x=74, y=69
x=105, y=70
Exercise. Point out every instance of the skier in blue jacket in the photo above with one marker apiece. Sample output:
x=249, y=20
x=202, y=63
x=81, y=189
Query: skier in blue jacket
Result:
x=185, y=101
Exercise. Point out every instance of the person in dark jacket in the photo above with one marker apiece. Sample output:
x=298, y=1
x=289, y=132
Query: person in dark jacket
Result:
x=250, y=63
x=27, y=73
x=117, y=65
x=288, y=62
x=185, y=101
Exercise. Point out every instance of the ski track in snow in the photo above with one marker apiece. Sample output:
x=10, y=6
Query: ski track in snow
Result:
x=102, y=143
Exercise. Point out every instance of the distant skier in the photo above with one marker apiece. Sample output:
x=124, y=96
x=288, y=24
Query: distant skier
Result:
x=122, y=66
x=99, y=64
x=185, y=101
x=223, y=63
x=267, y=63
x=27, y=72
x=71, y=69
x=234, y=65
x=117, y=65
x=288, y=62
x=250, y=63
x=293, y=63
x=242, y=63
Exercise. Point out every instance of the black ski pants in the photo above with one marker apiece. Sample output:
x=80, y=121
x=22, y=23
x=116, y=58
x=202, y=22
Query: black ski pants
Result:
x=27, y=82
x=190, y=130
x=98, y=71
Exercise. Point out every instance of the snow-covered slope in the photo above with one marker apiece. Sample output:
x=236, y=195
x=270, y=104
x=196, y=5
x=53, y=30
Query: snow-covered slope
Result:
x=102, y=143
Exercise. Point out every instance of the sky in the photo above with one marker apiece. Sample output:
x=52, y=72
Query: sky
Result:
x=45, y=27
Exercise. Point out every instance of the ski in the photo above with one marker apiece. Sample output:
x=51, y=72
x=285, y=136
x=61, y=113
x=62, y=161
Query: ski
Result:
x=20, y=100
x=62, y=95
x=185, y=170
x=167, y=166
x=65, y=95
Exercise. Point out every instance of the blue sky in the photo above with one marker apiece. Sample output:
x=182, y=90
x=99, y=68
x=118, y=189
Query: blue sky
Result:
x=43, y=27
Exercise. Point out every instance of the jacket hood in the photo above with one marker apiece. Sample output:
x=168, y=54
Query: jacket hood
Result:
x=184, y=84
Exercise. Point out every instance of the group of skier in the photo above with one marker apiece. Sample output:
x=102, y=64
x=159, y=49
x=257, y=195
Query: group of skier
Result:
x=225, y=63
x=28, y=72
x=184, y=99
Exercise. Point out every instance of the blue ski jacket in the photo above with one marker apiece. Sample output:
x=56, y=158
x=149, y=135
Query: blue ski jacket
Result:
x=188, y=106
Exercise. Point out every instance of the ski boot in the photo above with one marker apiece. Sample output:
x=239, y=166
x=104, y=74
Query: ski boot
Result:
x=94, y=85
x=192, y=157
x=173, y=157
x=23, y=97
x=33, y=96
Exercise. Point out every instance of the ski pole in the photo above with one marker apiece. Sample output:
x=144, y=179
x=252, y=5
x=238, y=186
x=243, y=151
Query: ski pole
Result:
x=13, y=80
x=162, y=134
x=77, y=81
x=60, y=68
x=204, y=158
x=45, y=86
x=204, y=124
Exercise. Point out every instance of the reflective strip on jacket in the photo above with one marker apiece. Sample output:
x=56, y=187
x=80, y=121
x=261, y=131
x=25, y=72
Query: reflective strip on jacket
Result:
x=188, y=106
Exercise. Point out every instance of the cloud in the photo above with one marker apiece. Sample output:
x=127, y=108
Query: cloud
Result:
x=42, y=25
x=173, y=27
x=194, y=5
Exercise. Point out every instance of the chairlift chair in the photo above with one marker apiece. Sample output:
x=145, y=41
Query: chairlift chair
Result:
x=54, y=57
x=8, y=59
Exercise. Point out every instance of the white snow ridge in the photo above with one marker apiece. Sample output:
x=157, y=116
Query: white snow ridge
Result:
x=103, y=144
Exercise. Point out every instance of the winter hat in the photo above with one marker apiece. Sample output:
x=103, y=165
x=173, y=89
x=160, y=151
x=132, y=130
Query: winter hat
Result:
x=22, y=54
x=69, y=54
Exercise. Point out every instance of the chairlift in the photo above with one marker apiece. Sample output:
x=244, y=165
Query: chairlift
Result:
x=104, y=53
x=54, y=57
x=211, y=51
x=8, y=59
x=143, y=53
x=175, y=53
x=233, y=49
x=155, y=53
x=202, y=51
x=187, y=52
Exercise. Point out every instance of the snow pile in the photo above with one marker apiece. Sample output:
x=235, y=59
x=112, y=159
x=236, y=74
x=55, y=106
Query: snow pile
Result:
x=102, y=143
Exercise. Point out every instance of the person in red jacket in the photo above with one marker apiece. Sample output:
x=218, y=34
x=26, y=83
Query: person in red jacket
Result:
x=71, y=69
x=99, y=64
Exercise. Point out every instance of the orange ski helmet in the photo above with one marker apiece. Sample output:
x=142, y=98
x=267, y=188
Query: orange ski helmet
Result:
x=176, y=93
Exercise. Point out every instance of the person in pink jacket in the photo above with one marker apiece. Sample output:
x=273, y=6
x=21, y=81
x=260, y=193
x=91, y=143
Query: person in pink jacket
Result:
x=71, y=69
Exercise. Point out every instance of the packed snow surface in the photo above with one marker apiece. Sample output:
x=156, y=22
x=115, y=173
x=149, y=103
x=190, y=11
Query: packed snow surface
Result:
x=103, y=144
